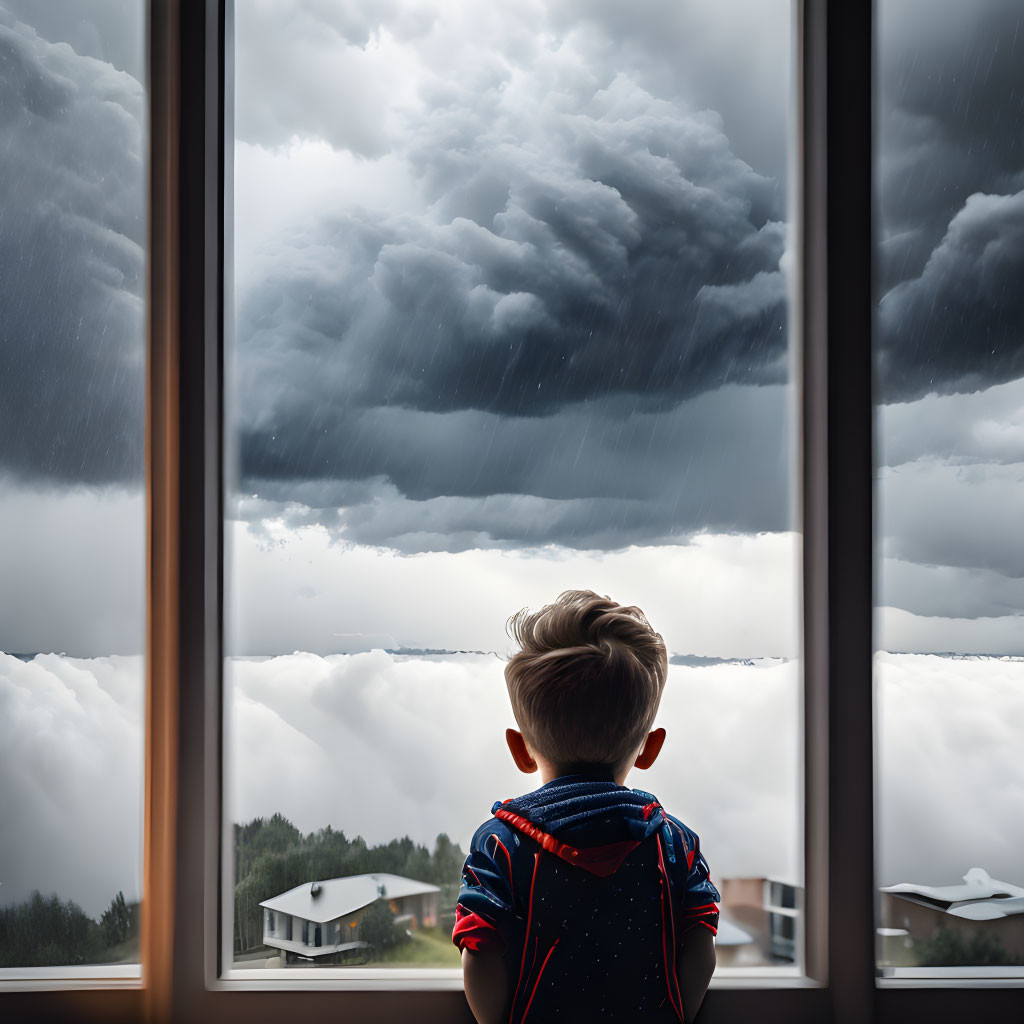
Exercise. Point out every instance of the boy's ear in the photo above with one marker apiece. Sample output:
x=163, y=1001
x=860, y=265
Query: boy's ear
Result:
x=651, y=749
x=520, y=753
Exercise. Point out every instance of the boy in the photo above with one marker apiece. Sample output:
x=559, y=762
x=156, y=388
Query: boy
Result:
x=585, y=900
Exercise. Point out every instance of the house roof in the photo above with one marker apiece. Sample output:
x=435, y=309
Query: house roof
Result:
x=980, y=898
x=731, y=934
x=337, y=897
x=989, y=910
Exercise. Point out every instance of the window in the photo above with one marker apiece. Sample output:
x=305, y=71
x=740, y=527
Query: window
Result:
x=72, y=439
x=513, y=319
x=950, y=387
x=184, y=736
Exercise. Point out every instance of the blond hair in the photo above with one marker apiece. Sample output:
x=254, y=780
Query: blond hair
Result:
x=586, y=684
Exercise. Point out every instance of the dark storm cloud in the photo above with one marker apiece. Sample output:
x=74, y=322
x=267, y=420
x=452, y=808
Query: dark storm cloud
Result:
x=693, y=53
x=949, y=492
x=943, y=514
x=590, y=266
x=951, y=170
x=949, y=591
x=558, y=294
x=590, y=476
x=685, y=52
x=634, y=255
x=71, y=248
x=110, y=30
x=959, y=326
x=951, y=117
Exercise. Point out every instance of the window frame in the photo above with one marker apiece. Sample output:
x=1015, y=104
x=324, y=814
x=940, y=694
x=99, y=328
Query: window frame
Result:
x=187, y=844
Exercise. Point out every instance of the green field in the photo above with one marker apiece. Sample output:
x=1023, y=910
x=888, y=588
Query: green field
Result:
x=429, y=947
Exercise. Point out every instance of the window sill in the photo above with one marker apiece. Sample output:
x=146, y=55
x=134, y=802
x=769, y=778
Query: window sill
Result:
x=92, y=976
x=444, y=979
x=951, y=977
x=359, y=979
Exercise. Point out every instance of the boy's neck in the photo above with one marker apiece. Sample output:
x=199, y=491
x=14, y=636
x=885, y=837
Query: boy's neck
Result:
x=549, y=771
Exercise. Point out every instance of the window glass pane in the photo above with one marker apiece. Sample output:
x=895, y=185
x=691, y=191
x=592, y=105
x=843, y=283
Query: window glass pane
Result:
x=72, y=547
x=949, y=352
x=512, y=318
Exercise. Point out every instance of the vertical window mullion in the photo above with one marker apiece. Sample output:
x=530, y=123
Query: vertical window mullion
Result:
x=811, y=328
x=202, y=319
x=848, y=251
x=184, y=467
x=162, y=491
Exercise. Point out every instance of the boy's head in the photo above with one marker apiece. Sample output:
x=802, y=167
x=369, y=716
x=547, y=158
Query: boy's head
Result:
x=586, y=684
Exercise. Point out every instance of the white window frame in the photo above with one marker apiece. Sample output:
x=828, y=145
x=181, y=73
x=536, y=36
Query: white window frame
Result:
x=184, y=974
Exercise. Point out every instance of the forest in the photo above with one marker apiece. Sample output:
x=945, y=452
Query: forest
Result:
x=270, y=856
x=47, y=931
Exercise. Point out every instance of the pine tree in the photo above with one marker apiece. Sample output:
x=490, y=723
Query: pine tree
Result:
x=116, y=921
x=948, y=948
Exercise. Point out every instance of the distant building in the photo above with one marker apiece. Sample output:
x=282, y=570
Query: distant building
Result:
x=735, y=947
x=910, y=912
x=765, y=911
x=321, y=919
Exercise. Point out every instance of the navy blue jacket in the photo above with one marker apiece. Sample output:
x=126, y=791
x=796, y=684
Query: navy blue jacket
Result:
x=586, y=888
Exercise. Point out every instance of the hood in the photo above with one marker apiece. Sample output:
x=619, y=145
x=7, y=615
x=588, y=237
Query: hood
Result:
x=592, y=824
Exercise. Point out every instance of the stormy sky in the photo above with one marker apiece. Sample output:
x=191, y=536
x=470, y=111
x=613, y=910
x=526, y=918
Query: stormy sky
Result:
x=512, y=290
x=519, y=282
x=534, y=314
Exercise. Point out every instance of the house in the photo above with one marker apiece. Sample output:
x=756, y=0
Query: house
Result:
x=765, y=911
x=910, y=911
x=322, y=919
x=734, y=946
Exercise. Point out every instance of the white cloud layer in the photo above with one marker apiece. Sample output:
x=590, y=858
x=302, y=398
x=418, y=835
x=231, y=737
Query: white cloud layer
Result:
x=382, y=746
x=425, y=738
x=951, y=776
x=71, y=784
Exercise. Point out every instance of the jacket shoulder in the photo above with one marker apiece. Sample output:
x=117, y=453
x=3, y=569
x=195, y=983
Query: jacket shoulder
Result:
x=491, y=827
x=681, y=829
x=497, y=842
